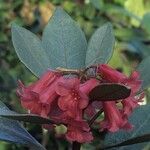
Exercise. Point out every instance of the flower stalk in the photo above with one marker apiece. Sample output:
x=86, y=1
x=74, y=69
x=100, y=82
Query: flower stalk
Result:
x=76, y=146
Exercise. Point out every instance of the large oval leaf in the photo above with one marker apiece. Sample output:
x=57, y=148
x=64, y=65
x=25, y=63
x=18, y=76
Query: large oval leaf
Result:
x=29, y=50
x=143, y=68
x=135, y=140
x=100, y=46
x=109, y=92
x=31, y=118
x=64, y=42
x=141, y=121
x=13, y=131
x=27, y=118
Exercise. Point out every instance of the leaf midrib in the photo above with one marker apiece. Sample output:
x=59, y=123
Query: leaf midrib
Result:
x=97, y=55
x=38, y=62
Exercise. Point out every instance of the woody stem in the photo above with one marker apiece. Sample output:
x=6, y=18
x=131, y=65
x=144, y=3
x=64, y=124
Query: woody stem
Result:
x=76, y=146
x=95, y=117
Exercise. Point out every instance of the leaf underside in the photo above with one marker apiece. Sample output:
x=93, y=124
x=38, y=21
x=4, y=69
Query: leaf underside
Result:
x=109, y=92
x=13, y=131
x=100, y=46
x=64, y=42
x=141, y=121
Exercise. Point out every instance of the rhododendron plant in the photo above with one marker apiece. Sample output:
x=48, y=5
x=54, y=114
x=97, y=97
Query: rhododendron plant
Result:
x=114, y=76
x=38, y=97
x=72, y=97
x=75, y=86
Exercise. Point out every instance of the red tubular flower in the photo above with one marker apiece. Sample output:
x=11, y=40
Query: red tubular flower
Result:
x=45, y=80
x=114, y=119
x=38, y=97
x=86, y=88
x=71, y=99
x=79, y=131
x=111, y=75
x=132, y=101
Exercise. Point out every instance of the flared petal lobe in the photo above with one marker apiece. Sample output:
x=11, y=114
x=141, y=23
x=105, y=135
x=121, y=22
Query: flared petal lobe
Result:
x=72, y=99
x=111, y=75
x=79, y=131
x=113, y=118
x=37, y=97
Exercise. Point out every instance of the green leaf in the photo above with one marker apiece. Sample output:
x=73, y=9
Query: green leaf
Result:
x=98, y=4
x=13, y=131
x=109, y=92
x=100, y=46
x=143, y=68
x=27, y=118
x=139, y=139
x=136, y=8
x=64, y=42
x=146, y=22
x=29, y=50
x=141, y=121
x=31, y=118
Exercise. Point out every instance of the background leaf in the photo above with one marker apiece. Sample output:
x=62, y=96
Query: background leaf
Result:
x=139, y=139
x=64, y=41
x=26, y=118
x=100, y=46
x=109, y=91
x=143, y=68
x=141, y=121
x=13, y=131
x=29, y=50
x=137, y=8
x=146, y=23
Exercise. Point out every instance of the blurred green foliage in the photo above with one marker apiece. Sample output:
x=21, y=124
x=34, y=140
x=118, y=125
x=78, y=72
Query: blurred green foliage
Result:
x=131, y=22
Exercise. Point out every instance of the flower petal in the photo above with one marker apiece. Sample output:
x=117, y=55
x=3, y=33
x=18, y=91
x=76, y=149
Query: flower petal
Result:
x=110, y=74
x=129, y=105
x=64, y=102
x=64, y=86
x=84, y=100
x=114, y=119
x=76, y=134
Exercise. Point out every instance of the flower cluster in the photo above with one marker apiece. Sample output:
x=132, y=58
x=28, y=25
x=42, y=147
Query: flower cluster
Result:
x=66, y=101
x=116, y=118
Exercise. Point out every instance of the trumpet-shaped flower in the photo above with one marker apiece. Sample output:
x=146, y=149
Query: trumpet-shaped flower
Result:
x=72, y=100
x=111, y=75
x=79, y=131
x=114, y=119
x=38, y=97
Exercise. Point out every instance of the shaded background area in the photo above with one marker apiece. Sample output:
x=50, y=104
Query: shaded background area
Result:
x=131, y=23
